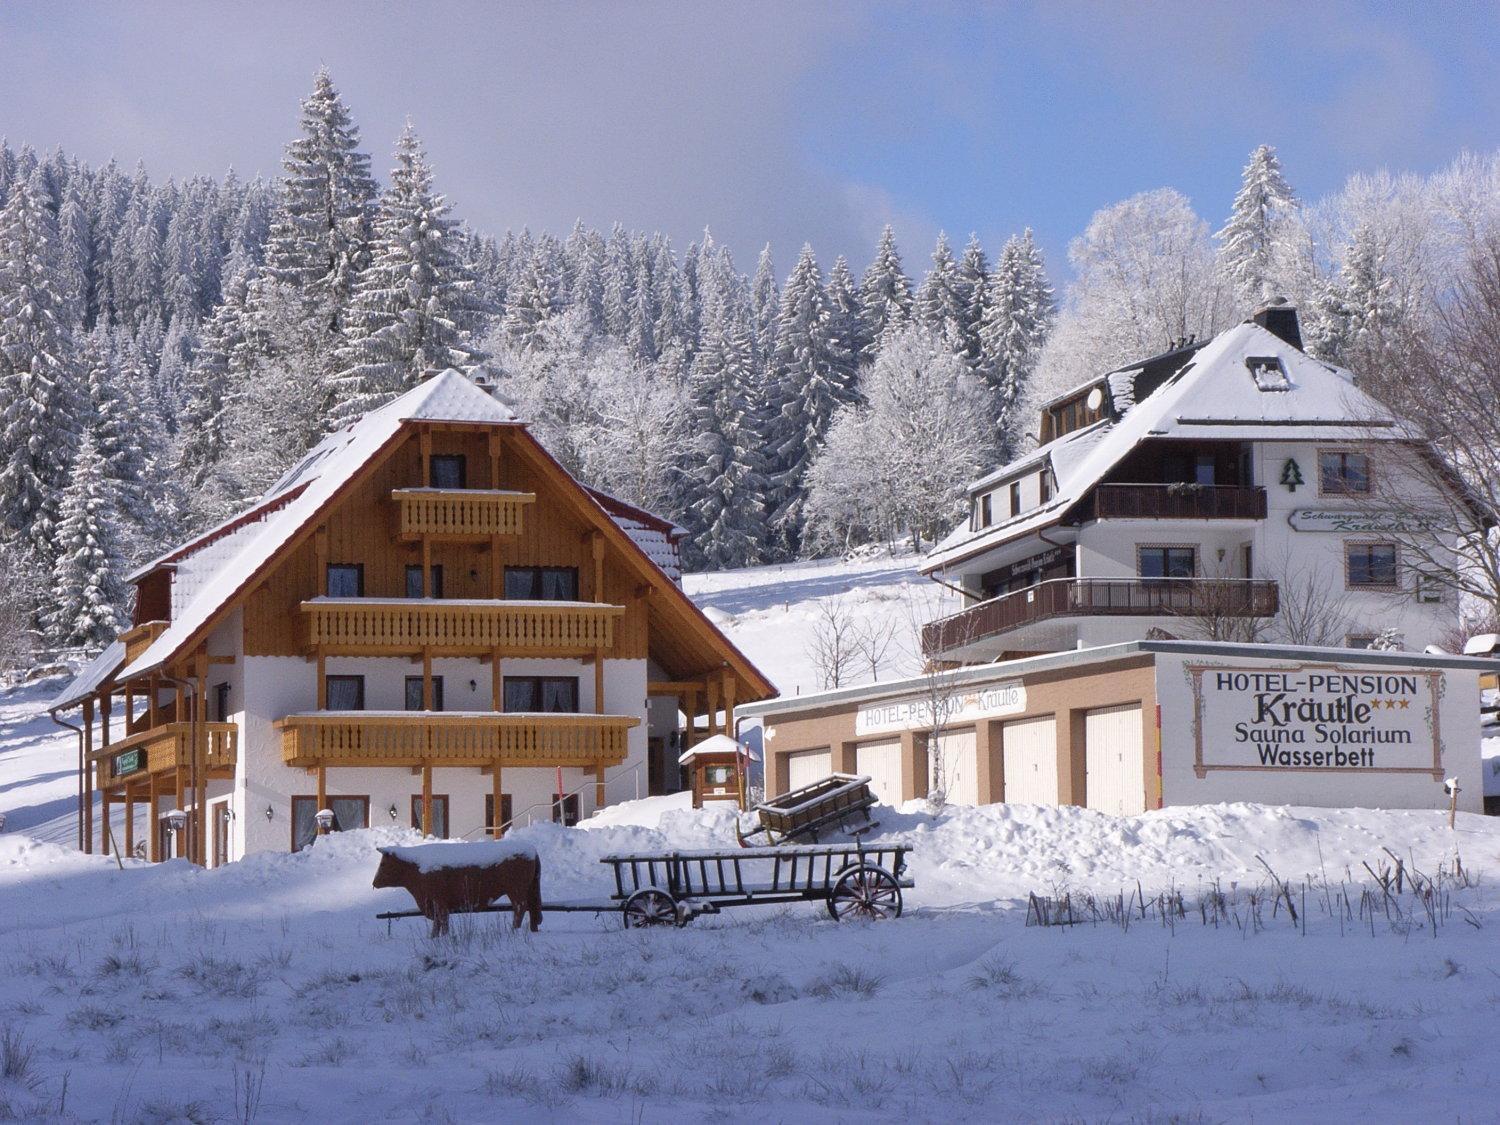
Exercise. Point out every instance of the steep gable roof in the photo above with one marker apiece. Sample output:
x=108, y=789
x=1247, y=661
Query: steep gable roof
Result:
x=1214, y=394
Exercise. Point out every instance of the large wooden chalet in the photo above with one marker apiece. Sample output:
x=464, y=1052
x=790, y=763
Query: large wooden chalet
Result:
x=428, y=621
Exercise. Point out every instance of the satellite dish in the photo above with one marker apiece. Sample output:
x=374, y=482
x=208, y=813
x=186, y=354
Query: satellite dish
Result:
x=1095, y=399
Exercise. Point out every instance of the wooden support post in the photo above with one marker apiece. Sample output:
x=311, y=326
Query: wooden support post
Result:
x=426, y=582
x=497, y=569
x=598, y=551
x=729, y=704
x=690, y=711
x=153, y=826
x=322, y=789
x=153, y=690
x=322, y=680
x=427, y=800
x=320, y=552
x=129, y=710
x=105, y=707
x=129, y=821
x=599, y=681
x=200, y=760
x=497, y=794
x=426, y=679
x=88, y=777
x=497, y=684
x=424, y=445
x=104, y=820
x=713, y=705
x=599, y=785
x=495, y=459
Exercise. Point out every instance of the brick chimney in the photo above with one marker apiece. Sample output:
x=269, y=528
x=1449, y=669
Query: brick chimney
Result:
x=1278, y=317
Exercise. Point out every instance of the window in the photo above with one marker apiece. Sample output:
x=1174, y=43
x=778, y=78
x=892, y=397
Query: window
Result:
x=1203, y=469
x=542, y=583
x=349, y=813
x=1167, y=562
x=346, y=693
x=1341, y=473
x=1015, y=498
x=718, y=775
x=414, y=582
x=448, y=470
x=221, y=704
x=986, y=510
x=1370, y=564
x=1359, y=640
x=1044, y=486
x=489, y=813
x=221, y=833
x=565, y=809
x=414, y=693
x=346, y=580
x=542, y=693
x=439, y=814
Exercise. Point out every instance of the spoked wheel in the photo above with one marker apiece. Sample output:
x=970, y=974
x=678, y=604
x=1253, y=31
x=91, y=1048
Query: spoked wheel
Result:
x=866, y=891
x=650, y=907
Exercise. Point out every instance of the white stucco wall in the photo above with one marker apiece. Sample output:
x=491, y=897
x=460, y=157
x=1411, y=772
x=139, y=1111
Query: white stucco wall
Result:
x=1457, y=719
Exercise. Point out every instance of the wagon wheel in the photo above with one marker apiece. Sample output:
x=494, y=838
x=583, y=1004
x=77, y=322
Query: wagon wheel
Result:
x=865, y=891
x=650, y=907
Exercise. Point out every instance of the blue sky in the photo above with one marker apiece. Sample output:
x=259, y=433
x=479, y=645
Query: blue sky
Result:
x=776, y=123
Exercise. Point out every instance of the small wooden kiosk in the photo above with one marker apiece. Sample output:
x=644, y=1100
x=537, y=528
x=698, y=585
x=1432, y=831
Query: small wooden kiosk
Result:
x=717, y=766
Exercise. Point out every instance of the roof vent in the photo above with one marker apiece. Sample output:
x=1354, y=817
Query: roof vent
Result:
x=1279, y=317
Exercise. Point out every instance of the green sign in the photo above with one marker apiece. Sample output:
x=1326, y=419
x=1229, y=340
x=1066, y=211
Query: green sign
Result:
x=129, y=762
x=1291, y=475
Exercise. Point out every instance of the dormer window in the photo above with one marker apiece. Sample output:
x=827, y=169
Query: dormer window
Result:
x=1015, y=498
x=984, y=514
x=1268, y=372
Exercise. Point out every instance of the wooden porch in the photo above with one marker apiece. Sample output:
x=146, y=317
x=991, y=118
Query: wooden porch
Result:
x=363, y=738
x=379, y=627
x=163, y=750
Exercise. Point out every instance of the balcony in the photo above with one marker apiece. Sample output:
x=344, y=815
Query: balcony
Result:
x=164, y=749
x=1174, y=502
x=1100, y=597
x=463, y=515
x=379, y=627
x=401, y=738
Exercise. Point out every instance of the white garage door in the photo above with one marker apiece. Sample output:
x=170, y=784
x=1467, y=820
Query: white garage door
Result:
x=1030, y=747
x=960, y=766
x=1115, y=760
x=881, y=763
x=806, y=768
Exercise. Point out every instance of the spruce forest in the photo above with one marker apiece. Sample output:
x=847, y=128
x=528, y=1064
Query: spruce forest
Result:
x=168, y=350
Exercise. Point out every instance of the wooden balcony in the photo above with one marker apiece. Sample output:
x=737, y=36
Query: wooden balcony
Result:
x=1174, y=502
x=463, y=515
x=164, y=749
x=468, y=738
x=138, y=639
x=454, y=627
x=1101, y=597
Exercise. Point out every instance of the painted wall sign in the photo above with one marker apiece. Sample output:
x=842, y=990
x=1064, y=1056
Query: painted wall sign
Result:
x=889, y=716
x=1315, y=717
x=1367, y=522
x=1291, y=474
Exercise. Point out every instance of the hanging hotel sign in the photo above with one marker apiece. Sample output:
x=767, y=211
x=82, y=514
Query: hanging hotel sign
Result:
x=1315, y=718
x=128, y=762
x=1369, y=521
x=891, y=716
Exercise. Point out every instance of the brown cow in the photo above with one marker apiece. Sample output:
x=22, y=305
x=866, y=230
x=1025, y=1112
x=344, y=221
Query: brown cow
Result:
x=444, y=878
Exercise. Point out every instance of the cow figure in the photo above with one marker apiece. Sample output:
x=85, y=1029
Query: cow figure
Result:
x=444, y=878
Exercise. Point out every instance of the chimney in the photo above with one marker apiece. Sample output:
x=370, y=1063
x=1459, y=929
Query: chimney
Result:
x=1279, y=318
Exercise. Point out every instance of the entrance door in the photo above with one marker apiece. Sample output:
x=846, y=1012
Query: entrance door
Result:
x=221, y=833
x=960, y=766
x=881, y=762
x=1030, y=751
x=1115, y=760
x=808, y=767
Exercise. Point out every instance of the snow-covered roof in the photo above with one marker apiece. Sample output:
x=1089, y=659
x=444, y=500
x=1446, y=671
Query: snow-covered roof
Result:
x=1482, y=644
x=716, y=744
x=656, y=537
x=1215, y=394
x=90, y=678
x=447, y=397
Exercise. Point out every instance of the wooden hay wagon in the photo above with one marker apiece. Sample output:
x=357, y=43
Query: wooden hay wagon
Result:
x=841, y=801
x=672, y=888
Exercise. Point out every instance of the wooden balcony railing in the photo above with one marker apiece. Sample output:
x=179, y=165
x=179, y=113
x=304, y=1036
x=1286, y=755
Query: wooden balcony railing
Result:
x=397, y=738
x=163, y=749
x=1175, y=502
x=1101, y=597
x=138, y=639
x=375, y=626
x=461, y=514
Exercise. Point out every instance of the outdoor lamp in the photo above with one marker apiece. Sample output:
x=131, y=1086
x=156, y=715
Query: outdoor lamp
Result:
x=324, y=818
x=393, y=812
x=177, y=820
x=270, y=813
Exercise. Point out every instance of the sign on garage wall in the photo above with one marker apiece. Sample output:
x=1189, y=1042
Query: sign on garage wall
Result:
x=1315, y=717
x=890, y=716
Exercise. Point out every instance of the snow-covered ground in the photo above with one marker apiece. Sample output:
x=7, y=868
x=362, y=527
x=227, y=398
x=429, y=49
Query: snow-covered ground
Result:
x=267, y=990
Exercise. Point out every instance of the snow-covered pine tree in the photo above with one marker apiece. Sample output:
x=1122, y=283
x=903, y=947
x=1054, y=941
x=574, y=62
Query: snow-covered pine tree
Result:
x=113, y=420
x=641, y=338
x=814, y=377
x=38, y=381
x=619, y=284
x=1019, y=310
x=973, y=284
x=885, y=294
x=940, y=300
x=532, y=302
x=74, y=261
x=86, y=602
x=765, y=306
x=1249, y=242
x=205, y=421
x=414, y=308
x=848, y=311
x=1356, y=311
x=320, y=235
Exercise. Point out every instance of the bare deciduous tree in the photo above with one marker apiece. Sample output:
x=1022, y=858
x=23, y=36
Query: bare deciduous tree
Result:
x=835, y=643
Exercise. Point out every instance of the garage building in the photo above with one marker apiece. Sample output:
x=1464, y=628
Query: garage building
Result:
x=1130, y=727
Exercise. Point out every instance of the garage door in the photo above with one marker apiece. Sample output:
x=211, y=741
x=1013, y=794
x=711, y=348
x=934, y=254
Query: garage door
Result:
x=960, y=764
x=806, y=768
x=1115, y=760
x=1030, y=747
x=881, y=763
